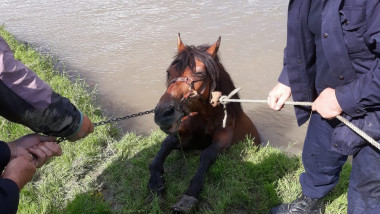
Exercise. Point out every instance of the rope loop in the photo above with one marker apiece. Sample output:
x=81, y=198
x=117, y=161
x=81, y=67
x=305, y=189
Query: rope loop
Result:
x=222, y=100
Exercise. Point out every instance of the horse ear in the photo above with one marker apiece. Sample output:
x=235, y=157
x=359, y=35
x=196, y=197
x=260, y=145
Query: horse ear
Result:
x=180, y=44
x=213, y=49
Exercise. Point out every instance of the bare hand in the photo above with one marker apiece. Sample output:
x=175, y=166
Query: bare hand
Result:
x=44, y=151
x=327, y=105
x=87, y=128
x=278, y=95
x=20, y=170
x=20, y=146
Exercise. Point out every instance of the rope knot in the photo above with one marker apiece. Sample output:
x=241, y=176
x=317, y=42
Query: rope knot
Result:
x=222, y=100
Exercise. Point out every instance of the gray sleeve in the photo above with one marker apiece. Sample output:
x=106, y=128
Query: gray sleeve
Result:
x=28, y=100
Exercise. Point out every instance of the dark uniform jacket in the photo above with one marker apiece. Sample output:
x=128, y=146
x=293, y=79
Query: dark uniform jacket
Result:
x=351, y=43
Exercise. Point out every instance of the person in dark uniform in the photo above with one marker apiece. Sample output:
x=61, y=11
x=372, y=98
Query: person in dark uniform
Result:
x=27, y=100
x=332, y=58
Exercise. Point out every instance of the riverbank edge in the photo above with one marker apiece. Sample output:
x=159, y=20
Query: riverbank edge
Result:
x=92, y=177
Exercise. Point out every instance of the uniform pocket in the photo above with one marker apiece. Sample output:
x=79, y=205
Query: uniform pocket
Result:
x=347, y=142
x=353, y=22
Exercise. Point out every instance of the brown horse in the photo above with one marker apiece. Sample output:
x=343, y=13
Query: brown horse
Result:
x=191, y=77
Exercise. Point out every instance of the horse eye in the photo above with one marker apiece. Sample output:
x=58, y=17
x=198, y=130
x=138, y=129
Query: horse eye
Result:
x=200, y=73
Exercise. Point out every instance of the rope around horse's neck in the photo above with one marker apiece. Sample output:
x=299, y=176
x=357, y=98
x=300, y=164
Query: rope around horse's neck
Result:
x=224, y=100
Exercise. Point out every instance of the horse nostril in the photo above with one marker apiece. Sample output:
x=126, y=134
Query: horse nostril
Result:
x=168, y=112
x=166, y=117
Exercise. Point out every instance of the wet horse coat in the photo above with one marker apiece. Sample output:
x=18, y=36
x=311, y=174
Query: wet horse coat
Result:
x=193, y=75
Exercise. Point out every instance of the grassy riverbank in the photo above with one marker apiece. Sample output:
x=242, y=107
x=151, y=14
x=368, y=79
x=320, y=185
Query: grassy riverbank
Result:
x=107, y=173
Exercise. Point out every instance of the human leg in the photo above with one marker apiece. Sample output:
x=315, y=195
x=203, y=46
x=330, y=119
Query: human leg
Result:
x=364, y=187
x=322, y=165
x=322, y=168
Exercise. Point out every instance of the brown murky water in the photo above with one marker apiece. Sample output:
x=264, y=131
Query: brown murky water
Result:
x=124, y=47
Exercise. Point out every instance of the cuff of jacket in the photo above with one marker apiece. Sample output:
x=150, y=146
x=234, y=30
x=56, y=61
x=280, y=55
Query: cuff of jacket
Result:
x=5, y=155
x=345, y=98
x=79, y=126
x=9, y=194
x=283, y=78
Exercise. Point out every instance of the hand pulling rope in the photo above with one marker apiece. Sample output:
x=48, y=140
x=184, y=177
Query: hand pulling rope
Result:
x=224, y=100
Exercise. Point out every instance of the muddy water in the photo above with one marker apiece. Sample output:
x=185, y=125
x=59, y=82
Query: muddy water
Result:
x=124, y=47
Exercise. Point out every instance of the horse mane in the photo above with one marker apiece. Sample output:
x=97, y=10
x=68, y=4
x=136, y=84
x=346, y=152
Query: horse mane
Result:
x=220, y=79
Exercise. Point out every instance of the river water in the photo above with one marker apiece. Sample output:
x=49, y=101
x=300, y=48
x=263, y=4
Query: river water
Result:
x=124, y=48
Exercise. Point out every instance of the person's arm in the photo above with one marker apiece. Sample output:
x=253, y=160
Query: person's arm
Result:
x=5, y=155
x=18, y=172
x=281, y=92
x=21, y=165
x=28, y=100
x=9, y=196
x=284, y=78
x=9, y=192
x=364, y=93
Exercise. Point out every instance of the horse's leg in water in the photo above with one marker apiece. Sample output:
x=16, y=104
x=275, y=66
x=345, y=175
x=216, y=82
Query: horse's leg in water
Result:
x=190, y=198
x=156, y=181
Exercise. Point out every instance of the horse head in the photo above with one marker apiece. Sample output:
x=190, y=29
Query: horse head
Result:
x=191, y=78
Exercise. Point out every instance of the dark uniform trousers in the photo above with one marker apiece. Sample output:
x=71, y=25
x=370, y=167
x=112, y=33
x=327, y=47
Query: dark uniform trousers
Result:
x=323, y=166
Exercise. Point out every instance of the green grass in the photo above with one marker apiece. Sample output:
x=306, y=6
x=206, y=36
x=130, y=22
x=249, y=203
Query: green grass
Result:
x=107, y=173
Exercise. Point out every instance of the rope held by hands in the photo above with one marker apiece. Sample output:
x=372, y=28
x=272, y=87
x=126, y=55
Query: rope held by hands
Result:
x=224, y=100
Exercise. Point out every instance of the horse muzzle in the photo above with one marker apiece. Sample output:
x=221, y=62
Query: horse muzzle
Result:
x=169, y=119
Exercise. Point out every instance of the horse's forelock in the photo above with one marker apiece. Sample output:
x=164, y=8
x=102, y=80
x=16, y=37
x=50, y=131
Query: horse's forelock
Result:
x=187, y=58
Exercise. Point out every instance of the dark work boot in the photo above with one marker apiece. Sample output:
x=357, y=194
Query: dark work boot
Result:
x=302, y=205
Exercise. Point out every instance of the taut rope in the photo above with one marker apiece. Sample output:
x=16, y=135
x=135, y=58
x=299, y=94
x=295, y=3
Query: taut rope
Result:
x=224, y=100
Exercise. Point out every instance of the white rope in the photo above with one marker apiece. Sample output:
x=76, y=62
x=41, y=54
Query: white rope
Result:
x=224, y=100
